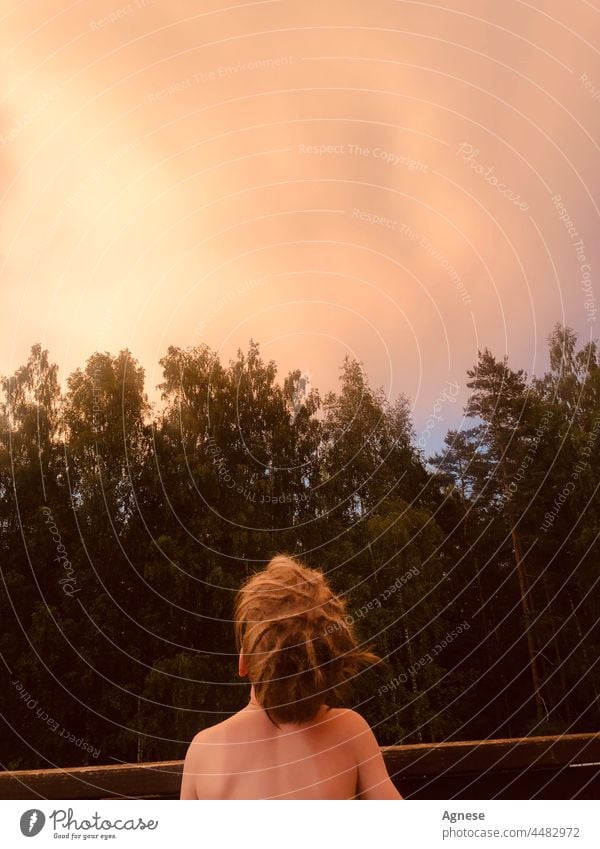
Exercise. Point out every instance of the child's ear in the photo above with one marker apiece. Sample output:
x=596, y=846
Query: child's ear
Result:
x=242, y=668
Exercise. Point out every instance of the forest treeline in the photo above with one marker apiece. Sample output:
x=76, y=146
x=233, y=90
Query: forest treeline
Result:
x=126, y=529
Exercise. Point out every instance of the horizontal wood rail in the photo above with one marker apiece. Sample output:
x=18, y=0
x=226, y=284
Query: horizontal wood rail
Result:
x=566, y=766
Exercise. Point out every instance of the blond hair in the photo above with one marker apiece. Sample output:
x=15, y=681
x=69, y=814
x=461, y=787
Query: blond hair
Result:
x=296, y=642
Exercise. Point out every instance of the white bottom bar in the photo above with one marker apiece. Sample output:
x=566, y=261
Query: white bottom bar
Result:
x=300, y=825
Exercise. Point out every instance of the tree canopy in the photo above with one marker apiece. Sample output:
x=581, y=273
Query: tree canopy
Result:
x=125, y=530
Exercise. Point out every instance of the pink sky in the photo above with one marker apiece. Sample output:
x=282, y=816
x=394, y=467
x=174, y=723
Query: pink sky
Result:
x=377, y=179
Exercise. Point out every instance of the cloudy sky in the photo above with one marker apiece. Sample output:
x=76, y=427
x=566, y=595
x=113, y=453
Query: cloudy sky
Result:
x=401, y=181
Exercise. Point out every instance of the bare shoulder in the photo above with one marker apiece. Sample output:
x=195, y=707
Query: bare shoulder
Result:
x=352, y=722
x=202, y=737
x=358, y=735
x=215, y=734
x=202, y=761
x=193, y=765
x=197, y=747
x=373, y=778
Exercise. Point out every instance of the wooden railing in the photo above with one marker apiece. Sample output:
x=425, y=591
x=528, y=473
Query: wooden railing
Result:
x=562, y=767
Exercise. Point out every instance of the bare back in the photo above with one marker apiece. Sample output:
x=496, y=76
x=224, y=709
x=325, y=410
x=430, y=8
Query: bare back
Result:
x=335, y=756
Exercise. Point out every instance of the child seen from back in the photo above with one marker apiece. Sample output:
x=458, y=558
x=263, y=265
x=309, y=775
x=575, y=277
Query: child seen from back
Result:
x=297, y=651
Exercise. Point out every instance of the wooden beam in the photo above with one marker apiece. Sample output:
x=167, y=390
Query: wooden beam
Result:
x=484, y=755
x=128, y=781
